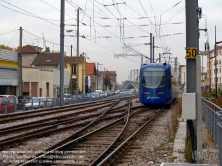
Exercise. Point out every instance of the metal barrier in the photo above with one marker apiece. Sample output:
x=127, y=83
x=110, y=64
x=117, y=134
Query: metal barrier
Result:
x=24, y=104
x=213, y=118
x=219, y=124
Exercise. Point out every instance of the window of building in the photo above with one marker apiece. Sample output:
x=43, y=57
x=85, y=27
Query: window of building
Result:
x=73, y=69
x=47, y=89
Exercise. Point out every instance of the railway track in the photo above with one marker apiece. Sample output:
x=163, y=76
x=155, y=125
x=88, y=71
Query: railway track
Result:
x=98, y=141
x=17, y=134
x=72, y=131
x=48, y=111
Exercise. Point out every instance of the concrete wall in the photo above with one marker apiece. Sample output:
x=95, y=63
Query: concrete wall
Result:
x=41, y=77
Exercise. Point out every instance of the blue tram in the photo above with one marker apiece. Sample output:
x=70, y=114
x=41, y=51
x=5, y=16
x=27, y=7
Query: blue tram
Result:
x=156, y=85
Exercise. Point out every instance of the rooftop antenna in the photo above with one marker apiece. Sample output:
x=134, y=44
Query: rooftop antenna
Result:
x=43, y=38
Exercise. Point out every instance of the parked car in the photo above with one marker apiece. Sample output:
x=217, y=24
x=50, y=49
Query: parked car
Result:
x=74, y=98
x=117, y=91
x=23, y=99
x=9, y=102
x=102, y=94
x=34, y=103
x=47, y=102
x=11, y=96
x=95, y=95
x=109, y=93
x=67, y=97
x=87, y=97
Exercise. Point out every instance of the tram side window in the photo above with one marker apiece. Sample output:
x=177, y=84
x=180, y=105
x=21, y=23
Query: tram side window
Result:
x=169, y=79
x=143, y=81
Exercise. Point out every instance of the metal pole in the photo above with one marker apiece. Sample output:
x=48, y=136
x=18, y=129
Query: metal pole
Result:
x=130, y=75
x=191, y=41
x=202, y=75
x=151, y=48
x=210, y=73
x=159, y=58
x=97, y=74
x=77, y=56
x=176, y=63
x=71, y=73
x=62, y=53
x=215, y=55
x=83, y=75
x=137, y=78
x=20, y=63
x=199, y=109
x=104, y=79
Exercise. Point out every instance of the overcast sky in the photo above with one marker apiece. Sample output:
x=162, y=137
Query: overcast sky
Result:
x=108, y=27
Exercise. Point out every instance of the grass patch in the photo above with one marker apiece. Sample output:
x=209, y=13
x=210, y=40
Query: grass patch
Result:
x=171, y=139
x=162, y=147
x=173, y=125
x=188, y=150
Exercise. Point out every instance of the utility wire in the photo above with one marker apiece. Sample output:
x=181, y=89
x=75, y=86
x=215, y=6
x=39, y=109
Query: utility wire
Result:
x=44, y=39
x=58, y=10
x=102, y=27
x=84, y=11
x=149, y=20
x=12, y=38
x=9, y=32
x=171, y=8
x=32, y=15
x=174, y=16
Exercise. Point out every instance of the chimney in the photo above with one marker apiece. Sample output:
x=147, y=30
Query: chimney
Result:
x=47, y=50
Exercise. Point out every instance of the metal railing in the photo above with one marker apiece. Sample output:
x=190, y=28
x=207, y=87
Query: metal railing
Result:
x=212, y=115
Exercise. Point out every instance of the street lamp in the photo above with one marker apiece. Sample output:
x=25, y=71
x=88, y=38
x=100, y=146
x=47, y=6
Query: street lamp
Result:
x=206, y=52
x=97, y=73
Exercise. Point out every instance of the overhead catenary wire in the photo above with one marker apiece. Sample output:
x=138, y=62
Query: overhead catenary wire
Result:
x=57, y=10
x=104, y=5
x=120, y=24
x=30, y=14
x=103, y=28
x=35, y=16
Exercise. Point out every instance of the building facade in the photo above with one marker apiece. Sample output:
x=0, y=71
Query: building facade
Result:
x=71, y=67
x=91, y=77
x=213, y=66
x=9, y=72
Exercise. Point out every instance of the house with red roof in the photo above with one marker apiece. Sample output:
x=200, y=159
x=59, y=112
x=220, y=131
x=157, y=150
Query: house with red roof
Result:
x=90, y=77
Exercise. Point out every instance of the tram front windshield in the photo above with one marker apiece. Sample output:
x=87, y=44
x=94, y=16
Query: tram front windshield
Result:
x=154, y=77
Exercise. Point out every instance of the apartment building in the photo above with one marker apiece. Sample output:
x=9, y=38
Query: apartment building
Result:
x=214, y=65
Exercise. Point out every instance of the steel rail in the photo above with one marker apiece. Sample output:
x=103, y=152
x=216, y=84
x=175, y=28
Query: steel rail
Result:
x=67, y=145
x=47, y=111
x=53, y=128
x=54, y=148
x=109, y=156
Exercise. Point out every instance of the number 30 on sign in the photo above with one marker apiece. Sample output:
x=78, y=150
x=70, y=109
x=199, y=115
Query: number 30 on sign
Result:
x=191, y=52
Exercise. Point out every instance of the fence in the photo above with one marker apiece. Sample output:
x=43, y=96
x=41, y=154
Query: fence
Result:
x=10, y=106
x=213, y=118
